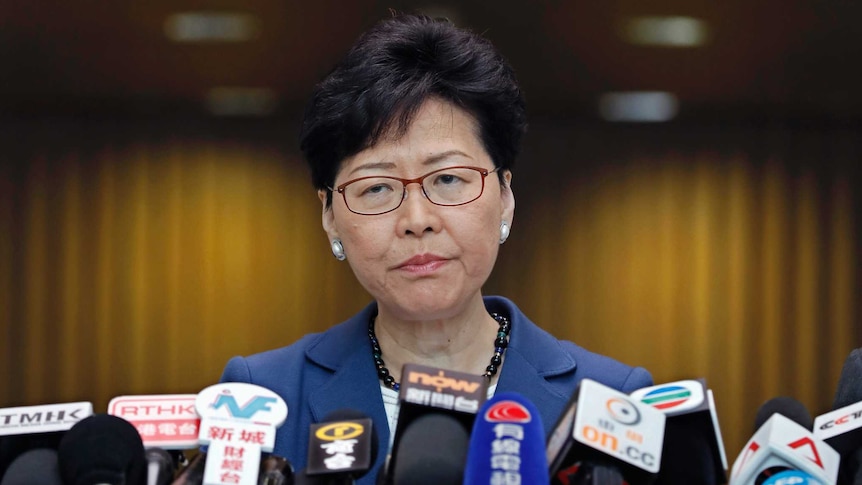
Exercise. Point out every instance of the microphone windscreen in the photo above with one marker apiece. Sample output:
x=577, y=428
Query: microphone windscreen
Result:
x=275, y=470
x=160, y=466
x=687, y=455
x=788, y=407
x=37, y=466
x=102, y=449
x=193, y=474
x=850, y=383
x=14, y=445
x=432, y=451
x=507, y=444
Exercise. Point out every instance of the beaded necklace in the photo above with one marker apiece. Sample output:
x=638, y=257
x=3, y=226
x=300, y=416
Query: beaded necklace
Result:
x=500, y=344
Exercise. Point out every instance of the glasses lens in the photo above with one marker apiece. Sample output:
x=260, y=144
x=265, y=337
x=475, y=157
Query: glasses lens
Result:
x=373, y=195
x=453, y=186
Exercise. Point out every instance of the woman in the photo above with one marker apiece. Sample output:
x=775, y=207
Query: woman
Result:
x=411, y=140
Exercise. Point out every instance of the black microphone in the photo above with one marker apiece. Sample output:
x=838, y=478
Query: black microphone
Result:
x=193, y=474
x=275, y=470
x=842, y=427
x=786, y=406
x=605, y=436
x=102, y=449
x=37, y=466
x=427, y=391
x=783, y=442
x=160, y=466
x=341, y=448
x=693, y=451
x=31, y=427
x=432, y=451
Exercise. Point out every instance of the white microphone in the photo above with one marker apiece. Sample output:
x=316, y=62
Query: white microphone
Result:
x=604, y=429
x=693, y=451
x=238, y=422
x=781, y=444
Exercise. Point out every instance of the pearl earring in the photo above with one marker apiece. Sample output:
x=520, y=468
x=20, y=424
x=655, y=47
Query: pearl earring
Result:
x=338, y=250
x=504, y=231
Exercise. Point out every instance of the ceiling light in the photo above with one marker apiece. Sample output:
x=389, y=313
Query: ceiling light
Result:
x=665, y=31
x=211, y=27
x=638, y=106
x=241, y=101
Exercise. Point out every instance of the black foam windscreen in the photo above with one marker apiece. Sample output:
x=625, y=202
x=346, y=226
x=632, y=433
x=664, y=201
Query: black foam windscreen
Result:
x=786, y=406
x=432, y=451
x=37, y=466
x=850, y=383
x=13, y=446
x=102, y=449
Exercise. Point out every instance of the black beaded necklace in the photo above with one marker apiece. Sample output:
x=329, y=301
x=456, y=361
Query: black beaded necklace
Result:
x=500, y=344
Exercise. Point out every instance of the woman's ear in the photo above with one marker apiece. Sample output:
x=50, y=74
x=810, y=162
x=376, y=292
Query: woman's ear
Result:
x=507, y=197
x=328, y=217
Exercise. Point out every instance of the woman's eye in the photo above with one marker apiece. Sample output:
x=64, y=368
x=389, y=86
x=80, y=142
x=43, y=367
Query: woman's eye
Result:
x=447, y=179
x=376, y=189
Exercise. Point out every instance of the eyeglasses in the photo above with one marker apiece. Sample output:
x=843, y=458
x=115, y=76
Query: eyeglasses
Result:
x=378, y=194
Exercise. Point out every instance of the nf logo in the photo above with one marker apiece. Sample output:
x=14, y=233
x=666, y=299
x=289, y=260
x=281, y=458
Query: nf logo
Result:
x=507, y=412
x=339, y=431
x=257, y=404
x=623, y=411
x=241, y=401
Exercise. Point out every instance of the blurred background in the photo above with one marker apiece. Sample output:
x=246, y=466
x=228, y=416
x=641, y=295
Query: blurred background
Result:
x=688, y=195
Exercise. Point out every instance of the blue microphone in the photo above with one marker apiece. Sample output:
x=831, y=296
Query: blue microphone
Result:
x=507, y=444
x=792, y=477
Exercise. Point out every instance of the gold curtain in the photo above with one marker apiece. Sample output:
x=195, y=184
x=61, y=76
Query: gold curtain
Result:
x=139, y=263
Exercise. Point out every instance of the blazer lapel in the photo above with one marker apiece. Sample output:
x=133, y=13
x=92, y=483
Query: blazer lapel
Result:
x=348, y=373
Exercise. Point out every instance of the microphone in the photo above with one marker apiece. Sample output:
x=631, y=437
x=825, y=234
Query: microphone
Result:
x=235, y=433
x=193, y=474
x=275, y=470
x=693, y=451
x=165, y=422
x=35, y=466
x=102, y=449
x=603, y=437
x=30, y=427
x=784, y=442
x=507, y=443
x=842, y=427
x=432, y=451
x=791, y=477
x=160, y=466
x=430, y=391
x=341, y=448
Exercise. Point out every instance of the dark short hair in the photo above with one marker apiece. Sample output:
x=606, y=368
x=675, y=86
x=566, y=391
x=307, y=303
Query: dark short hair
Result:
x=386, y=76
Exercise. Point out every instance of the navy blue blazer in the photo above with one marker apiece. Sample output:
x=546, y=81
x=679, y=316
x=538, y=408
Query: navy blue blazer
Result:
x=324, y=372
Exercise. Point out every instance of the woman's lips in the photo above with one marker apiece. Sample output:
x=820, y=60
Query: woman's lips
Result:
x=423, y=264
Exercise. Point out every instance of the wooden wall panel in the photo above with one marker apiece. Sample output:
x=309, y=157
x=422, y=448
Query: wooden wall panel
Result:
x=139, y=259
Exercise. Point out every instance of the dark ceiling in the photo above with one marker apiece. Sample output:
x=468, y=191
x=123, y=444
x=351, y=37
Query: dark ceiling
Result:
x=769, y=58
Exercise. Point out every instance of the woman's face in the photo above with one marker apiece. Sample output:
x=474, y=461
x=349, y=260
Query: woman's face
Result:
x=423, y=261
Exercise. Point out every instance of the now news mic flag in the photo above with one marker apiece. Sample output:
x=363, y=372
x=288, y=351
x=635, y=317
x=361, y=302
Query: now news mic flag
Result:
x=440, y=395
